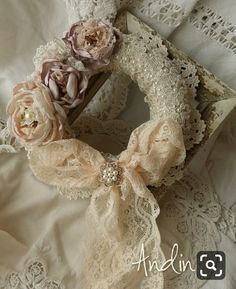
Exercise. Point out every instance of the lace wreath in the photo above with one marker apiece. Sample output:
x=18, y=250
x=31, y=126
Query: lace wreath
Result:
x=122, y=212
x=111, y=98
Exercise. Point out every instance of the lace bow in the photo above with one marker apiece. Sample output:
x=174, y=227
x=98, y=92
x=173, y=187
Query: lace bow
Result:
x=122, y=210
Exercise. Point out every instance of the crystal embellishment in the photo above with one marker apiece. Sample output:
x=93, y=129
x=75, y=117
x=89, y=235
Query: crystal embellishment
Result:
x=110, y=174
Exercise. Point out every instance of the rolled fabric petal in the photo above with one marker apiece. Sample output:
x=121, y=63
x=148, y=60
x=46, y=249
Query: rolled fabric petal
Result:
x=67, y=84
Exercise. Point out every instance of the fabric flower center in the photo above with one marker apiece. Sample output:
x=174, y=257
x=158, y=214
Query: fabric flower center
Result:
x=59, y=77
x=61, y=80
x=28, y=118
x=91, y=40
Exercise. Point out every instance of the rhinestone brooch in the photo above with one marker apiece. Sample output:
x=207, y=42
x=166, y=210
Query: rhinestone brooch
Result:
x=110, y=174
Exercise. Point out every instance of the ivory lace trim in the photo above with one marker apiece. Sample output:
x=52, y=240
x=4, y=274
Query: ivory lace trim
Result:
x=163, y=11
x=215, y=26
x=202, y=17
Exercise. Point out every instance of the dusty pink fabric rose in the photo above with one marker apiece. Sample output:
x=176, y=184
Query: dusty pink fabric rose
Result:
x=33, y=118
x=67, y=84
x=93, y=42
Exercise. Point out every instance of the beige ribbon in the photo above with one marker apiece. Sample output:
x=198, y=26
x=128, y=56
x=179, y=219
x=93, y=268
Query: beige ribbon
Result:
x=117, y=213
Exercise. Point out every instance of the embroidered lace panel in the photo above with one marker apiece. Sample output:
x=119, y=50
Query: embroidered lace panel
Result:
x=33, y=276
x=191, y=208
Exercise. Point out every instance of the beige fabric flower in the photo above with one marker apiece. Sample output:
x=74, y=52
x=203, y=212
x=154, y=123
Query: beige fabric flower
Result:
x=93, y=42
x=33, y=118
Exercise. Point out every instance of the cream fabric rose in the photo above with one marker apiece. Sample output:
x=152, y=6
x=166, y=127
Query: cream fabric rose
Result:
x=67, y=84
x=33, y=118
x=93, y=42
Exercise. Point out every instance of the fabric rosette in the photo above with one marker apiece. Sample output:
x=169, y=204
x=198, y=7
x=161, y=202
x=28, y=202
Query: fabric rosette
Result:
x=93, y=42
x=67, y=84
x=33, y=118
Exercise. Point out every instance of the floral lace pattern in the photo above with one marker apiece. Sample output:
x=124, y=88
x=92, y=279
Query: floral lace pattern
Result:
x=138, y=217
x=227, y=223
x=33, y=277
x=190, y=207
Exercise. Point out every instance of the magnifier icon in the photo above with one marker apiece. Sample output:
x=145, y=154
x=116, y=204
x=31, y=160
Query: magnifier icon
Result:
x=211, y=265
